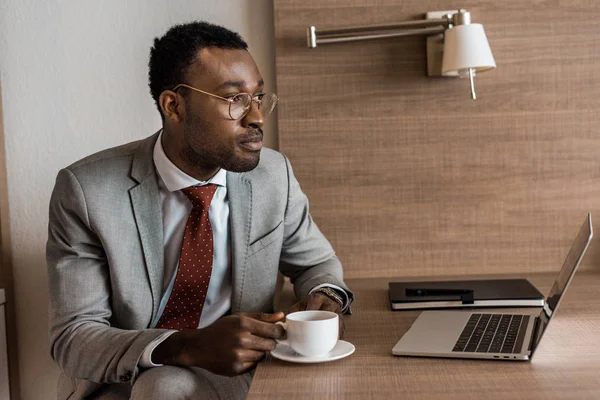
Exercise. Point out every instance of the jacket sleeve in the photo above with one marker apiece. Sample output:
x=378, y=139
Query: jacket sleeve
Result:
x=307, y=257
x=83, y=343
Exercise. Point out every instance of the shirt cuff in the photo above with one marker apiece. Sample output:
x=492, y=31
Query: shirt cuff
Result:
x=146, y=358
x=341, y=292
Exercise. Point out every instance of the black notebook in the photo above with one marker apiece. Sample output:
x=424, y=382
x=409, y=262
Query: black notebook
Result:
x=471, y=293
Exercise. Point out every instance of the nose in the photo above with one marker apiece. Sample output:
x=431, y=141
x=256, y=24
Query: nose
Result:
x=254, y=118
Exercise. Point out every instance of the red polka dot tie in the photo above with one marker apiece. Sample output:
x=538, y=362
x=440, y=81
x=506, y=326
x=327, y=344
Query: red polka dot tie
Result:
x=184, y=306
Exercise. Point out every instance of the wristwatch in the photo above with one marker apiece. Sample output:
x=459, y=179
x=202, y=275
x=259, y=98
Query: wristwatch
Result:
x=332, y=294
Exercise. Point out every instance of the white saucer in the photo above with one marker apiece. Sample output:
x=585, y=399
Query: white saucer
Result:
x=342, y=349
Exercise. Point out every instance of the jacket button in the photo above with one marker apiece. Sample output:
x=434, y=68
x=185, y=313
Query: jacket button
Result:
x=126, y=377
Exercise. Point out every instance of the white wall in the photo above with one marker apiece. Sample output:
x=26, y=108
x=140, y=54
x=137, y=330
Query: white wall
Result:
x=74, y=81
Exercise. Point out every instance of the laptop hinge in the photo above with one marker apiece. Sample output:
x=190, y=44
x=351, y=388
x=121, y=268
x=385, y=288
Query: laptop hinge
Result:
x=536, y=326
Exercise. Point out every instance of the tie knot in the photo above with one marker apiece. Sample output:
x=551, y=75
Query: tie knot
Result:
x=200, y=196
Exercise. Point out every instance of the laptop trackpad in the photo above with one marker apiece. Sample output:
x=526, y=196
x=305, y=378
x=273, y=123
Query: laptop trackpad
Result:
x=432, y=332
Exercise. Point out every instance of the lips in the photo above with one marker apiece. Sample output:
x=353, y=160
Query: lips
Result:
x=252, y=142
x=252, y=145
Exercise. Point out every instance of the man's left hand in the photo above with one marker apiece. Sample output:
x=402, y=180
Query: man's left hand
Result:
x=319, y=301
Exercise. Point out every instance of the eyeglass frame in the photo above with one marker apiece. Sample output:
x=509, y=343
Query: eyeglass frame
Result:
x=230, y=100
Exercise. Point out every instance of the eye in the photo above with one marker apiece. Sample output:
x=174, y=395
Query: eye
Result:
x=258, y=96
x=238, y=98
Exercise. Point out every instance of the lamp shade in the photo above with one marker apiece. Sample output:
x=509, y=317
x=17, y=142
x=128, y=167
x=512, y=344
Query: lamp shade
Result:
x=466, y=46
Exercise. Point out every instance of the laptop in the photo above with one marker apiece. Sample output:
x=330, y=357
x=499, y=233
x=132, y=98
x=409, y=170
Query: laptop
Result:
x=496, y=336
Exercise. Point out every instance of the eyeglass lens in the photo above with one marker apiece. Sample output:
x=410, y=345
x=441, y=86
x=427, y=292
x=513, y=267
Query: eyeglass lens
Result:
x=241, y=104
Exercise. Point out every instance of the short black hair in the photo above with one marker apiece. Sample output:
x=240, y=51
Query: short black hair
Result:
x=176, y=51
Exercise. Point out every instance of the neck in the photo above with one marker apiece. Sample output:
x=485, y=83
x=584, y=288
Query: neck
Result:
x=176, y=155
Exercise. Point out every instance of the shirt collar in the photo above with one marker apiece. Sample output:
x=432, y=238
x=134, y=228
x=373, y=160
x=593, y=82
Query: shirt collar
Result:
x=174, y=178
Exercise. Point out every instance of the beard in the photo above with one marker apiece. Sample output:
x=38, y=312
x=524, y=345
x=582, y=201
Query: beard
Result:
x=204, y=149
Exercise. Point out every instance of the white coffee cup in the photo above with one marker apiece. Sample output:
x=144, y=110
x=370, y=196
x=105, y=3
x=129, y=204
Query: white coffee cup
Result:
x=311, y=333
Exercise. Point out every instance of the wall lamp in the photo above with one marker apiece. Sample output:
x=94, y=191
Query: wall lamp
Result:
x=455, y=46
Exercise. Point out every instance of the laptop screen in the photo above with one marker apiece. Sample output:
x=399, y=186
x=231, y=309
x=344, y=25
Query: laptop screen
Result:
x=565, y=275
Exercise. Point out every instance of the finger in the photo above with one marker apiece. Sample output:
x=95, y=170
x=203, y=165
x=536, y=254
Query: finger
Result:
x=342, y=327
x=253, y=342
x=263, y=329
x=248, y=366
x=251, y=356
x=265, y=317
x=315, y=300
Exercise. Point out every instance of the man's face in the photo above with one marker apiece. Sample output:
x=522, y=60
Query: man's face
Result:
x=211, y=139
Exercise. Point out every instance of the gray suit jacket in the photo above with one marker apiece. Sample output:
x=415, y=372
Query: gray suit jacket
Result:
x=105, y=256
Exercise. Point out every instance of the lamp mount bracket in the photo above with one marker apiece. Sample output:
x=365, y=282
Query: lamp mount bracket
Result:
x=435, y=43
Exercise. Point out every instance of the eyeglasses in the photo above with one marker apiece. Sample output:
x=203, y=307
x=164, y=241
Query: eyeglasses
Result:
x=240, y=104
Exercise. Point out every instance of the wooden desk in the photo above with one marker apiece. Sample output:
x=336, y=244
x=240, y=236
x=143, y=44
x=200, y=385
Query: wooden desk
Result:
x=565, y=366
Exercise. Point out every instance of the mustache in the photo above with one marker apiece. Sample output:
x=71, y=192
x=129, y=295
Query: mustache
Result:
x=253, y=135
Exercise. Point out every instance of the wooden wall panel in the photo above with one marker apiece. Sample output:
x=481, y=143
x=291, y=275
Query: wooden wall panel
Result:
x=407, y=175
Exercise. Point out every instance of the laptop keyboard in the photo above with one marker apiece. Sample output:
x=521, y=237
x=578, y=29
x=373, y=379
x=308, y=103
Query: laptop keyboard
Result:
x=493, y=333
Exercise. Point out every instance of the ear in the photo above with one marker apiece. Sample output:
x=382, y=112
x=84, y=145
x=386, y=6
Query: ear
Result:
x=170, y=105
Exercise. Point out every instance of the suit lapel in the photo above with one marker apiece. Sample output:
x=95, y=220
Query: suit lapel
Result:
x=239, y=193
x=145, y=201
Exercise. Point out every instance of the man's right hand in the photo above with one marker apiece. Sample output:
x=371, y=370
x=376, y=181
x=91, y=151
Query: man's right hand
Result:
x=231, y=346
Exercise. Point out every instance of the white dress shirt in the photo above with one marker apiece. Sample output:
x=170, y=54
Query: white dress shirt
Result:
x=175, y=211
